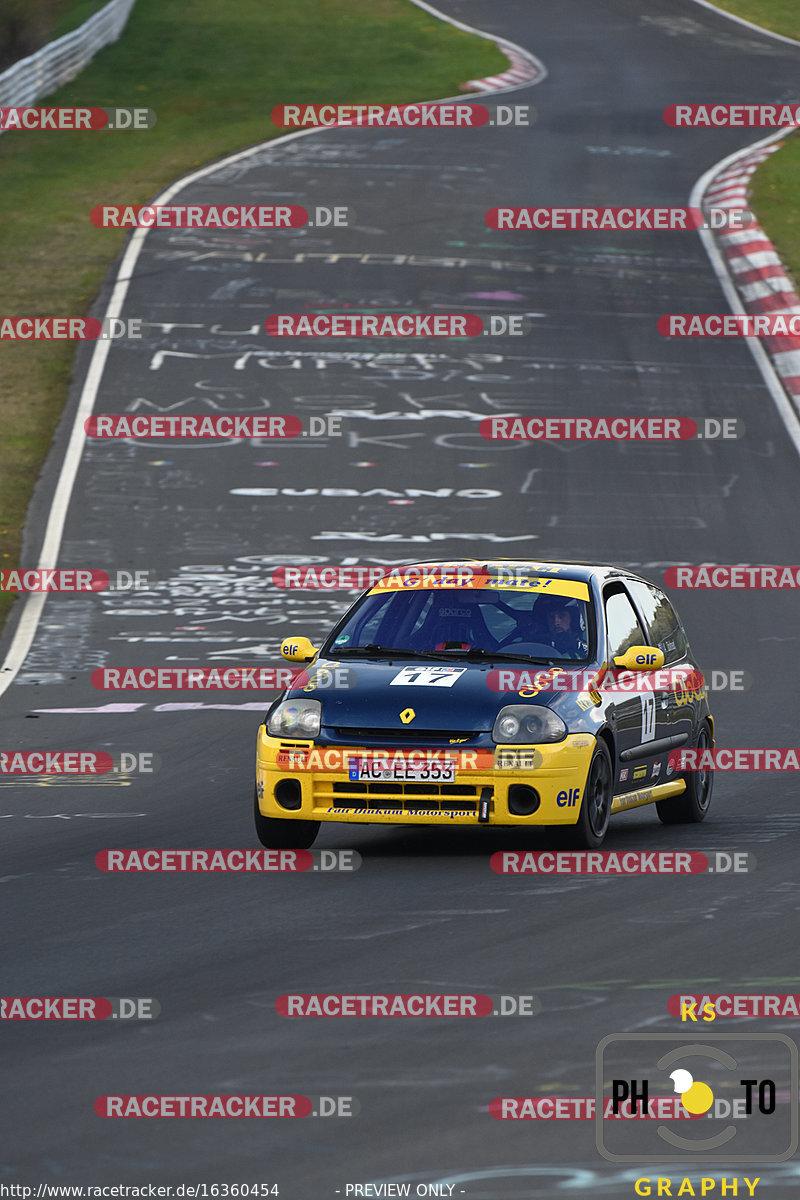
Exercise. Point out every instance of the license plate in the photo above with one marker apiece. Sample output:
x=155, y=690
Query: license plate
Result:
x=429, y=772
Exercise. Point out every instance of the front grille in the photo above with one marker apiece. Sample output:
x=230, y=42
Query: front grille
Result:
x=405, y=789
x=409, y=797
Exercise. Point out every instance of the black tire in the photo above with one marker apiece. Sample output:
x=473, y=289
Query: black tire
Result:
x=592, y=824
x=278, y=834
x=693, y=805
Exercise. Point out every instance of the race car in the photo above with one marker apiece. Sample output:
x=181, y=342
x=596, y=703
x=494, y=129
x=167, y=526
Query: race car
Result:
x=488, y=692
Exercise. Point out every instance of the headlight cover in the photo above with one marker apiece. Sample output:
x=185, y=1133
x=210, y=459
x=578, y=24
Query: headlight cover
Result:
x=295, y=718
x=528, y=724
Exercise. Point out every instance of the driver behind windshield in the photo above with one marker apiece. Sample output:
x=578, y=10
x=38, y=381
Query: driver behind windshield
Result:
x=562, y=626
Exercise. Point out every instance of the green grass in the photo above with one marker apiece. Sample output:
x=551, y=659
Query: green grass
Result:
x=781, y=16
x=775, y=197
x=775, y=192
x=77, y=13
x=212, y=70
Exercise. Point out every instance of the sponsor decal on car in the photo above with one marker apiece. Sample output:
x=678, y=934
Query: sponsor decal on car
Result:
x=427, y=676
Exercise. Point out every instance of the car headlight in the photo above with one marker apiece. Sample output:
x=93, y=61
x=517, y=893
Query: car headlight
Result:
x=295, y=718
x=528, y=723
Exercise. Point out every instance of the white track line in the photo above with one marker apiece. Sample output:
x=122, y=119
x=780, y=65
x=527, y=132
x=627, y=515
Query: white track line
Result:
x=34, y=601
x=722, y=270
x=779, y=37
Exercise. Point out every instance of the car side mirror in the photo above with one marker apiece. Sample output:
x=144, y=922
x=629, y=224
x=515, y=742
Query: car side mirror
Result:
x=298, y=649
x=641, y=658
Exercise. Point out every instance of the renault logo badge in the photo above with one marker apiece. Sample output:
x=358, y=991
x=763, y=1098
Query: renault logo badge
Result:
x=407, y=715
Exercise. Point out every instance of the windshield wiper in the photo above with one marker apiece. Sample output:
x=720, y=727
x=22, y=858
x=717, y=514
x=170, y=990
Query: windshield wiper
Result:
x=376, y=651
x=490, y=655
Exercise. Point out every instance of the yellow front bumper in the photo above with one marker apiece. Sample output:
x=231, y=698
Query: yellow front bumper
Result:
x=558, y=773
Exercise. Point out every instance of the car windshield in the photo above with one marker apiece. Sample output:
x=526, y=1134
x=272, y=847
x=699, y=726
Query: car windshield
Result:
x=452, y=621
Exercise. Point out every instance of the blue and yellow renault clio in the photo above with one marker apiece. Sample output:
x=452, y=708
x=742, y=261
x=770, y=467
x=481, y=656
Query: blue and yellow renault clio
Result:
x=500, y=693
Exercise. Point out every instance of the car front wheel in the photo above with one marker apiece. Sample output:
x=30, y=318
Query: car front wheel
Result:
x=598, y=794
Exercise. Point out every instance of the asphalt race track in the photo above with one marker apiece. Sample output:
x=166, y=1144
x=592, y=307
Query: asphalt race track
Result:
x=424, y=912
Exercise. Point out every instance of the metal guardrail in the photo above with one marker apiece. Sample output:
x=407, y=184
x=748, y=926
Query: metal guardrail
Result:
x=61, y=60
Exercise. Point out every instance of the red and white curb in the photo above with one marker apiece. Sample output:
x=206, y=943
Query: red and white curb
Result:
x=524, y=69
x=755, y=266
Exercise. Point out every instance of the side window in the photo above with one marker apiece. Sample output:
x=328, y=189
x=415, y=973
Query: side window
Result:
x=367, y=631
x=624, y=629
x=665, y=629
